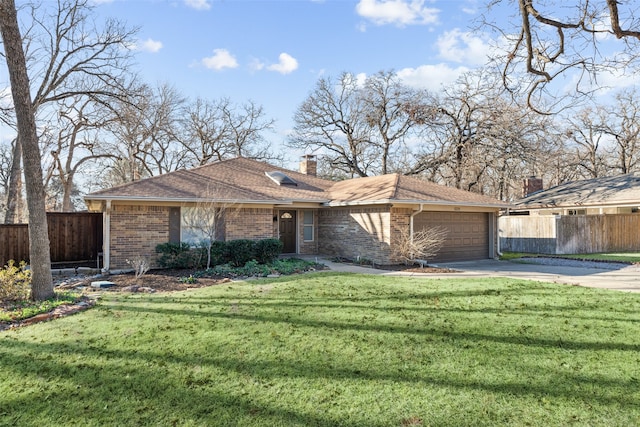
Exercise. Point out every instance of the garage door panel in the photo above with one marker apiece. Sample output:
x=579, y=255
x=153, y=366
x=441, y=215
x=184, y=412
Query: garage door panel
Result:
x=467, y=234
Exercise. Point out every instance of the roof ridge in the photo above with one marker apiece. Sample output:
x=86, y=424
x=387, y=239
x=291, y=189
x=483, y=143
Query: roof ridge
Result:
x=396, y=185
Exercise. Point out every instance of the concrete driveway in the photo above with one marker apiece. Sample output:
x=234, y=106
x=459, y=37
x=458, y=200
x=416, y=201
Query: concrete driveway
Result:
x=619, y=277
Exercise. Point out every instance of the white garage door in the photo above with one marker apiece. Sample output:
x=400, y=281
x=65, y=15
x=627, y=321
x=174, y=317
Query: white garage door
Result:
x=467, y=234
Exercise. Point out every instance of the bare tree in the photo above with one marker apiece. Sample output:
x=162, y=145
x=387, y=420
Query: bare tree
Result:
x=145, y=134
x=247, y=125
x=331, y=121
x=480, y=139
x=219, y=129
x=14, y=210
x=69, y=56
x=550, y=39
x=6, y=155
x=360, y=128
x=419, y=246
x=40, y=260
x=204, y=222
x=205, y=132
x=622, y=124
x=76, y=143
x=588, y=142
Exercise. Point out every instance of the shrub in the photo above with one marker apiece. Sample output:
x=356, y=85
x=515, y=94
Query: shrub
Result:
x=218, y=252
x=15, y=282
x=240, y=251
x=180, y=255
x=140, y=265
x=268, y=250
x=424, y=244
x=253, y=268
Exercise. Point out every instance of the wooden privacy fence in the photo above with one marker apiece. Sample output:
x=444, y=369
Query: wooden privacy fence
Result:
x=73, y=236
x=574, y=234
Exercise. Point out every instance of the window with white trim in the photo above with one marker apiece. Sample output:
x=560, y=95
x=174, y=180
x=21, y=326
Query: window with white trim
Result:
x=307, y=226
x=197, y=225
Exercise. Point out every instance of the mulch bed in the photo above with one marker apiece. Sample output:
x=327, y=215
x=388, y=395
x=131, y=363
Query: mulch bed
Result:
x=153, y=281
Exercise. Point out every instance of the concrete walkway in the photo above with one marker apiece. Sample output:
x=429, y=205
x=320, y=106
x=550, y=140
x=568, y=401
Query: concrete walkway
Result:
x=626, y=278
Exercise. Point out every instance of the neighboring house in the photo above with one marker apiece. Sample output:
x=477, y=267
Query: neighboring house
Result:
x=609, y=195
x=355, y=218
x=588, y=216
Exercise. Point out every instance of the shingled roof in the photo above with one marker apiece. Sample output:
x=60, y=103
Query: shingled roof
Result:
x=238, y=179
x=246, y=180
x=401, y=188
x=608, y=191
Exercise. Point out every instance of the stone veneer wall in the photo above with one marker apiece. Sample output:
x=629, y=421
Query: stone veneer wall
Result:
x=364, y=232
x=136, y=231
x=250, y=223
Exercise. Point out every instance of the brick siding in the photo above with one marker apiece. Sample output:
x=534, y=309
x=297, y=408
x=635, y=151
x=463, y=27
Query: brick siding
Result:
x=249, y=223
x=355, y=233
x=136, y=231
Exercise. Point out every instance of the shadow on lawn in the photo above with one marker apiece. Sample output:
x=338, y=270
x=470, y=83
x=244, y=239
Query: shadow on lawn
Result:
x=290, y=318
x=134, y=384
x=134, y=377
x=129, y=393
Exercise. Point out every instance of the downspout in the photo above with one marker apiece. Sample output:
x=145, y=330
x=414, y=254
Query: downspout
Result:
x=411, y=221
x=106, y=237
x=496, y=221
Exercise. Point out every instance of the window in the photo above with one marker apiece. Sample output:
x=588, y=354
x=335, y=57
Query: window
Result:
x=307, y=225
x=197, y=225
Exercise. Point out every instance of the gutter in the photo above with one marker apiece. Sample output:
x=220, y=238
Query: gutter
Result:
x=199, y=200
x=418, y=202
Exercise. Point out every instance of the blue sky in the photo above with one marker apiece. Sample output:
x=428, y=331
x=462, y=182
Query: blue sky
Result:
x=274, y=51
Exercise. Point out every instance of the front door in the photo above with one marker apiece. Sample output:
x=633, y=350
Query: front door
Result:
x=287, y=220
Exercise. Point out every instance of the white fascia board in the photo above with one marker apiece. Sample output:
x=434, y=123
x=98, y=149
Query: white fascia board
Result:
x=418, y=202
x=185, y=200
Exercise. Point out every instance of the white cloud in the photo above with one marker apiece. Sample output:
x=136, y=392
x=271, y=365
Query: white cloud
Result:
x=286, y=65
x=398, y=12
x=463, y=47
x=221, y=59
x=431, y=77
x=606, y=83
x=256, y=64
x=198, y=4
x=149, y=45
x=361, y=78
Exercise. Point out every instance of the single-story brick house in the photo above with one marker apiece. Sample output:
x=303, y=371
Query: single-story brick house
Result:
x=359, y=217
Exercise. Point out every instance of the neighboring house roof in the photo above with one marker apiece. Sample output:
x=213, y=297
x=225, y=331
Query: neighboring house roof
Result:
x=608, y=191
x=251, y=181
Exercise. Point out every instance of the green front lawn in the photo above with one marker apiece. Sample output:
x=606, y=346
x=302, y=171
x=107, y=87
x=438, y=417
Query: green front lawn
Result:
x=630, y=257
x=330, y=349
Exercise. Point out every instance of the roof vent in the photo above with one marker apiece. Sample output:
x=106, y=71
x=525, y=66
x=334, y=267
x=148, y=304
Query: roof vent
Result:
x=281, y=178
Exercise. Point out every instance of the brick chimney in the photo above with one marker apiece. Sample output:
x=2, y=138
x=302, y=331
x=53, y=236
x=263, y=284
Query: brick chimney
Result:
x=309, y=165
x=531, y=185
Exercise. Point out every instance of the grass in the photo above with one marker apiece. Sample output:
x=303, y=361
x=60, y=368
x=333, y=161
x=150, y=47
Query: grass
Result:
x=629, y=257
x=332, y=349
x=23, y=309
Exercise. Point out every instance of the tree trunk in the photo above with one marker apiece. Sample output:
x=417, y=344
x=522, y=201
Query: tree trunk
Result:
x=67, y=189
x=39, y=249
x=14, y=194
